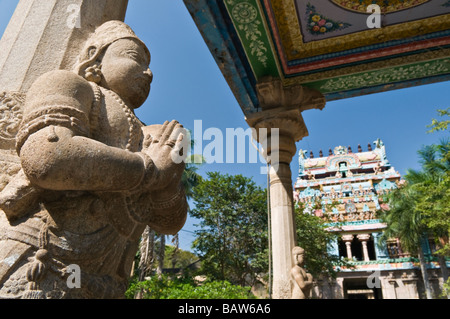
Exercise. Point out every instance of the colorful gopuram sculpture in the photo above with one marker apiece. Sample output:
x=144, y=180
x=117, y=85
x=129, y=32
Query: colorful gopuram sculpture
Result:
x=353, y=182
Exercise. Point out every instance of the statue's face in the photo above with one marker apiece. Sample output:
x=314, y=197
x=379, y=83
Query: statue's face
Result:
x=125, y=71
x=299, y=258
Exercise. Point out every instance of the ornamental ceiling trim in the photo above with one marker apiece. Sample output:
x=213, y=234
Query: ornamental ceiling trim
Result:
x=250, y=24
x=405, y=68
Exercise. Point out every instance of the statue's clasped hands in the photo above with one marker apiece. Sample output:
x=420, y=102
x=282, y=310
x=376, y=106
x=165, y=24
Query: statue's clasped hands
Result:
x=167, y=147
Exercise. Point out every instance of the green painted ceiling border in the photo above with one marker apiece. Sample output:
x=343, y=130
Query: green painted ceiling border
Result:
x=250, y=24
x=413, y=71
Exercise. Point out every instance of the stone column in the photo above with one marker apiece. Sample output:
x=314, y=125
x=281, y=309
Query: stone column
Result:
x=278, y=127
x=339, y=289
x=409, y=285
x=348, y=243
x=389, y=288
x=48, y=35
x=364, y=238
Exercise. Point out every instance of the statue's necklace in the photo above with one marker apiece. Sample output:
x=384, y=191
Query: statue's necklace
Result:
x=134, y=127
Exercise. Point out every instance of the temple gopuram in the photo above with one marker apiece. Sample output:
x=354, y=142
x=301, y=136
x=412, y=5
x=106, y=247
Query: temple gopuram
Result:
x=347, y=189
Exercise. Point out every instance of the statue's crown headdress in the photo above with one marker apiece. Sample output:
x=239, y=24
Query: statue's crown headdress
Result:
x=104, y=36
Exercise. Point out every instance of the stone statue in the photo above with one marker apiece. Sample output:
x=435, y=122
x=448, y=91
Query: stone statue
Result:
x=88, y=175
x=302, y=280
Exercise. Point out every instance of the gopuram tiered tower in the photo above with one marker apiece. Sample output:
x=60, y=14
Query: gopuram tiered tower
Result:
x=346, y=187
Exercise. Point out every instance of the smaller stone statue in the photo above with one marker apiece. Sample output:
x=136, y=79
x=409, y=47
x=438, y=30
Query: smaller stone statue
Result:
x=302, y=280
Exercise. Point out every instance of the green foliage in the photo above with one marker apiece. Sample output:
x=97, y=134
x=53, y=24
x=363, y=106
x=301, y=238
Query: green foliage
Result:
x=166, y=287
x=403, y=219
x=446, y=290
x=178, y=258
x=232, y=241
x=190, y=177
x=442, y=125
x=422, y=206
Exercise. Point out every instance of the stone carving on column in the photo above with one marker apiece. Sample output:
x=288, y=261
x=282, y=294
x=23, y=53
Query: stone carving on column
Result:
x=10, y=117
x=278, y=127
x=302, y=281
x=88, y=176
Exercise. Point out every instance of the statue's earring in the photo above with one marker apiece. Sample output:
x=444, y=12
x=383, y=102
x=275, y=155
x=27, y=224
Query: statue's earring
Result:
x=93, y=73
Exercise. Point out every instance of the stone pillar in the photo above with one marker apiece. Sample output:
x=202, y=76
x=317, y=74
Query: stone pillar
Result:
x=48, y=35
x=278, y=127
x=389, y=288
x=364, y=238
x=348, y=243
x=339, y=289
x=409, y=285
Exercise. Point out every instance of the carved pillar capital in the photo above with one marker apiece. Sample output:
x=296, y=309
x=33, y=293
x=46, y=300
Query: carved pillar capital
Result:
x=272, y=94
x=348, y=238
x=282, y=109
x=290, y=128
x=363, y=237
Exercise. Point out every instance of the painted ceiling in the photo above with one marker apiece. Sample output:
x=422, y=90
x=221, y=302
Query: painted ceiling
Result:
x=326, y=45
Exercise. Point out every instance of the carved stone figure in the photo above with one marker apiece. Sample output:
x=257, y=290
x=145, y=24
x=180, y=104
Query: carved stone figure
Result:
x=302, y=280
x=87, y=176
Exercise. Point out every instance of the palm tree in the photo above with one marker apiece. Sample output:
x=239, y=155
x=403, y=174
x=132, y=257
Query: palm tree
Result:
x=405, y=222
x=432, y=181
x=190, y=179
x=412, y=207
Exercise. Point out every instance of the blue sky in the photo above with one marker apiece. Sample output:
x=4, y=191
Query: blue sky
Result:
x=188, y=86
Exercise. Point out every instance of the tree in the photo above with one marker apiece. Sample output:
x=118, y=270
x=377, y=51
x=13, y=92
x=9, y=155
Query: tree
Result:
x=182, y=261
x=432, y=184
x=421, y=207
x=404, y=221
x=232, y=241
x=442, y=125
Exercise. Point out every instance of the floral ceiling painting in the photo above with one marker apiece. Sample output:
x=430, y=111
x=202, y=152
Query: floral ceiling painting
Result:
x=319, y=20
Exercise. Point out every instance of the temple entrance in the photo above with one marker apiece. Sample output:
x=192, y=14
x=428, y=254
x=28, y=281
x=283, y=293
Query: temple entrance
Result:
x=356, y=288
